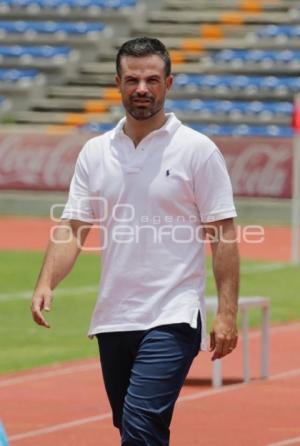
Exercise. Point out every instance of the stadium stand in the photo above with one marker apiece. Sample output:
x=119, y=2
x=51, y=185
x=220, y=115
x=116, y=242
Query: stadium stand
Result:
x=90, y=11
x=56, y=62
x=236, y=63
x=21, y=86
x=75, y=34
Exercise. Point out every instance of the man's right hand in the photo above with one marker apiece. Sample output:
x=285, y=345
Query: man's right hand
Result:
x=41, y=300
x=64, y=246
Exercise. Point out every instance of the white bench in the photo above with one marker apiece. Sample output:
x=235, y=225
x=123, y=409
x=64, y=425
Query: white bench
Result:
x=245, y=304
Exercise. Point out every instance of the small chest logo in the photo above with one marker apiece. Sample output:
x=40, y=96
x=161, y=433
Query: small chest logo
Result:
x=167, y=172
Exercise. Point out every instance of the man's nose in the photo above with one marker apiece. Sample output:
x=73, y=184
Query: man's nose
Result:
x=142, y=87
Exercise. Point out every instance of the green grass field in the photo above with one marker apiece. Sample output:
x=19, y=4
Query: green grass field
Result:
x=24, y=345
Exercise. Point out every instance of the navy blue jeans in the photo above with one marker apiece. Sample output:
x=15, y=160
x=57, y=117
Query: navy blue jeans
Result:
x=143, y=373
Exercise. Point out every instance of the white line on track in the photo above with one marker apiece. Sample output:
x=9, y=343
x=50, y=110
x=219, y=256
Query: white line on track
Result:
x=27, y=294
x=65, y=370
x=295, y=440
x=195, y=396
x=285, y=375
x=59, y=427
x=37, y=376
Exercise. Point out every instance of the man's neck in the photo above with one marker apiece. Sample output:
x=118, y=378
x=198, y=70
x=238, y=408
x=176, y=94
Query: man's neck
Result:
x=138, y=130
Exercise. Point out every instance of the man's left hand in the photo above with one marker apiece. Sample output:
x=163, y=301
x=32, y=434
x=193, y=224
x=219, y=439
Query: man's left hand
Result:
x=223, y=337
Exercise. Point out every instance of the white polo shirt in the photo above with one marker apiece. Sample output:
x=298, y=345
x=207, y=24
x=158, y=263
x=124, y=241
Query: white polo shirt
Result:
x=150, y=202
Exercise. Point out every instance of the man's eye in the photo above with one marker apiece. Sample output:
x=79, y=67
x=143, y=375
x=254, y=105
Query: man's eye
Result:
x=153, y=81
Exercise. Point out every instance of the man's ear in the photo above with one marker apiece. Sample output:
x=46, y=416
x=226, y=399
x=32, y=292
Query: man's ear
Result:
x=169, y=81
x=118, y=81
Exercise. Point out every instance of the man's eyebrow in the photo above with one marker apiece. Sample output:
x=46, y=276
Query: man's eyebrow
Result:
x=151, y=76
x=130, y=76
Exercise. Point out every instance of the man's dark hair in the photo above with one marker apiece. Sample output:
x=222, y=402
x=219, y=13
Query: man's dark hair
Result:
x=141, y=47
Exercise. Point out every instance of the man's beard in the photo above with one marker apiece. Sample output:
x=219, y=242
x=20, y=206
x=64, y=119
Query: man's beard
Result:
x=142, y=113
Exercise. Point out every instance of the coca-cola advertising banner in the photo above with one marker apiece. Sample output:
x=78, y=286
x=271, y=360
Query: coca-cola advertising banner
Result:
x=258, y=167
x=38, y=161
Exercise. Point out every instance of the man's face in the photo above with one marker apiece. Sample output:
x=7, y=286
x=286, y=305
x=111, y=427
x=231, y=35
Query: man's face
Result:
x=143, y=85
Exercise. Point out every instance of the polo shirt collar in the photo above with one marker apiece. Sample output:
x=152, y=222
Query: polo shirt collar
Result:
x=169, y=127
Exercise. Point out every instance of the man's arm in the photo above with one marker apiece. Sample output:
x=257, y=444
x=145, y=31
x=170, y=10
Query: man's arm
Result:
x=225, y=260
x=63, y=249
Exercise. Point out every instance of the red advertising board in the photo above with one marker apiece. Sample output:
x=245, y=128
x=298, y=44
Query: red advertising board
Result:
x=259, y=167
x=38, y=161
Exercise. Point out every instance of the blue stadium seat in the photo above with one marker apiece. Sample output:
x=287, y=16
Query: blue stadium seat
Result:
x=216, y=107
x=273, y=31
x=13, y=76
x=243, y=130
x=95, y=127
x=48, y=27
x=72, y=4
x=233, y=82
x=204, y=81
x=45, y=51
x=256, y=56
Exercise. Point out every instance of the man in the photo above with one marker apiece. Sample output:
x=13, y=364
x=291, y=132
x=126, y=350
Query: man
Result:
x=154, y=187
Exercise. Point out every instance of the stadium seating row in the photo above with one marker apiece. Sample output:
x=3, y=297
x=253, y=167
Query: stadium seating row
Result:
x=67, y=4
x=33, y=52
x=231, y=107
x=215, y=130
x=257, y=56
x=190, y=81
x=275, y=31
x=15, y=76
x=236, y=5
x=22, y=27
x=220, y=16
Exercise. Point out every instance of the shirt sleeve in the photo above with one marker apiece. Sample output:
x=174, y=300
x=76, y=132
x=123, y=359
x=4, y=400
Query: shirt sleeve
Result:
x=78, y=206
x=213, y=190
